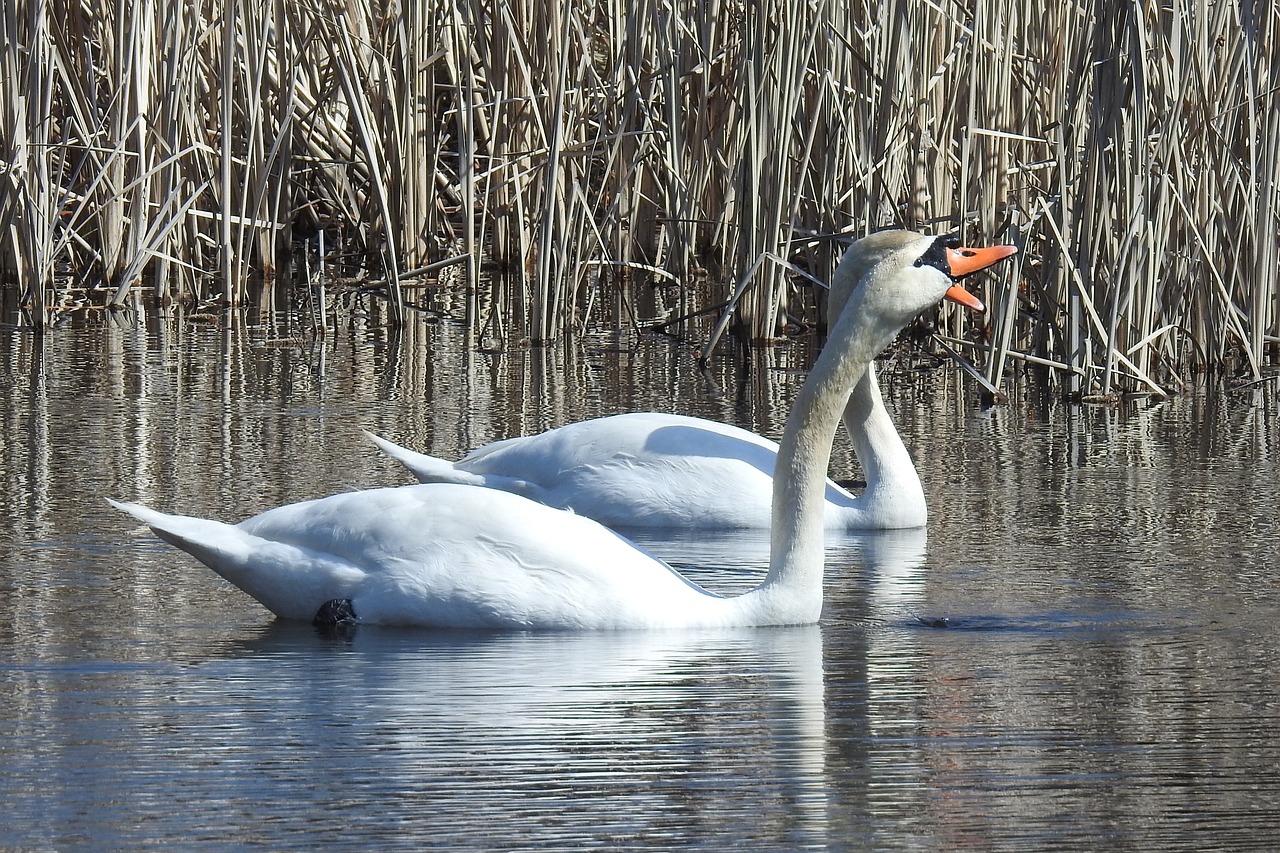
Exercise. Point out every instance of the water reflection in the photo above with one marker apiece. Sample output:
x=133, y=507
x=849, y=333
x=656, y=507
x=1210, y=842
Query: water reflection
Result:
x=567, y=739
x=469, y=740
x=1078, y=654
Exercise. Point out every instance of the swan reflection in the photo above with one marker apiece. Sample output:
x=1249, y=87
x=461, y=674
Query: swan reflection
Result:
x=632, y=728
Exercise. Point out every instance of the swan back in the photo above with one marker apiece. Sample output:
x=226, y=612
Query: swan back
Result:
x=446, y=555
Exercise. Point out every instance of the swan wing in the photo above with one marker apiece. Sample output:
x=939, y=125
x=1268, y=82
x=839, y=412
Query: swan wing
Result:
x=642, y=469
x=439, y=555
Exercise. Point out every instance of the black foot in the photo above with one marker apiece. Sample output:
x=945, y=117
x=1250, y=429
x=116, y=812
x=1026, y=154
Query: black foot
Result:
x=334, y=613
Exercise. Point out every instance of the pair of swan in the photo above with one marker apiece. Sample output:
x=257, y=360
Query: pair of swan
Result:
x=656, y=470
x=454, y=555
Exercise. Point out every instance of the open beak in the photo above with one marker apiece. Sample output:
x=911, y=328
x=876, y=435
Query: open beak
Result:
x=964, y=261
x=960, y=296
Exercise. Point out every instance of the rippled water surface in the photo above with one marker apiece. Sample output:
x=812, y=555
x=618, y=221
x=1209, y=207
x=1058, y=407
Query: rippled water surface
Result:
x=1079, y=653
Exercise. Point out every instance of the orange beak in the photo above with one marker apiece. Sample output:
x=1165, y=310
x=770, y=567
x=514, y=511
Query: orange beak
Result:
x=960, y=296
x=964, y=261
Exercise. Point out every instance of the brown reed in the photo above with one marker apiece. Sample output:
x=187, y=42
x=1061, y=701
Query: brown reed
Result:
x=588, y=153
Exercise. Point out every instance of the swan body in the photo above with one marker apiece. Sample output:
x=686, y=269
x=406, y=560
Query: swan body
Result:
x=454, y=555
x=443, y=555
x=652, y=470
x=656, y=470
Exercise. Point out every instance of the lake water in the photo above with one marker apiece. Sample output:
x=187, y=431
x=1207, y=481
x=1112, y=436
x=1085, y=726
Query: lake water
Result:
x=1079, y=653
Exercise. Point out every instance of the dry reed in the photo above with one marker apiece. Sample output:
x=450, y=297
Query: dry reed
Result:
x=595, y=152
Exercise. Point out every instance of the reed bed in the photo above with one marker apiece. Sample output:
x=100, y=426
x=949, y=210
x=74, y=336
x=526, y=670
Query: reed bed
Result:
x=586, y=165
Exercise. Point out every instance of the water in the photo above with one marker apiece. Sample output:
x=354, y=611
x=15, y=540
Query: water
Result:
x=1081, y=654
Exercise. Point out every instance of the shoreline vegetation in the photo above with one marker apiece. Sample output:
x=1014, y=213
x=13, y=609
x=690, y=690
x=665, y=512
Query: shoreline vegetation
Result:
x=556, y=168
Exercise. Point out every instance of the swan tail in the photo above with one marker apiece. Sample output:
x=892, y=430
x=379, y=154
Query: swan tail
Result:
x=431, y=469
x=213, y=543
x=427, y=469
x=289, y=580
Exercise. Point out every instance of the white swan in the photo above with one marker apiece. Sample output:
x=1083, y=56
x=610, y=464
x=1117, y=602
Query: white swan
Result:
x=648, y=469
x=453, y=555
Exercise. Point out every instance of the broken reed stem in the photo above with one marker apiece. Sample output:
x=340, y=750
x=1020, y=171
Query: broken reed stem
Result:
x=592, y=149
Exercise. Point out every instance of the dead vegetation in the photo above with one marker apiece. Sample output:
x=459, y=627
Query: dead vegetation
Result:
x=583, y=154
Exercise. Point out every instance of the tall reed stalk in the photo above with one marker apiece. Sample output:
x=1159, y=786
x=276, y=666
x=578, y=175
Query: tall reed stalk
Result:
x=597, y=157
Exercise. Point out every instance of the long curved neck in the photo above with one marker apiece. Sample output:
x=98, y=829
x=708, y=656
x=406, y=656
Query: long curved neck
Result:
x=894, y=496
x=792, y=591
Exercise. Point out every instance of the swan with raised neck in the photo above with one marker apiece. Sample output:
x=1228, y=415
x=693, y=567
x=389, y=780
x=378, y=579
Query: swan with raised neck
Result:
x=660, y=470
x=448, y=555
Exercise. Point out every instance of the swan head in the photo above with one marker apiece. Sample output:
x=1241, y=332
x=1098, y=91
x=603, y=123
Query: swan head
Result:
x=895, y=275
x=943, y=252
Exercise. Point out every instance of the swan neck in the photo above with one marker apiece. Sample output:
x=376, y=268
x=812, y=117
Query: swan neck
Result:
x=893, y=494
x=793, y=587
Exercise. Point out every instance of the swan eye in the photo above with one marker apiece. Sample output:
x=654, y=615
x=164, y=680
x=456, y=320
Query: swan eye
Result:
x=936, y=254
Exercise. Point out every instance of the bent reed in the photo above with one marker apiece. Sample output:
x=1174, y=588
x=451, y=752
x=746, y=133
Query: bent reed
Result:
x=594, y=154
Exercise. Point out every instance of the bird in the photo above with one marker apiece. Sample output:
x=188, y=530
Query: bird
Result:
x=449, y=555
x=656, y=470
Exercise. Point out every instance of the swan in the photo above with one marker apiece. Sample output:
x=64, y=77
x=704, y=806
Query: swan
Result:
x=655, y=470
x=456, y=556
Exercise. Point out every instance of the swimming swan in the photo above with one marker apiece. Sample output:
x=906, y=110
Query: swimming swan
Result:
x=451, y=555
x=649, y=469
